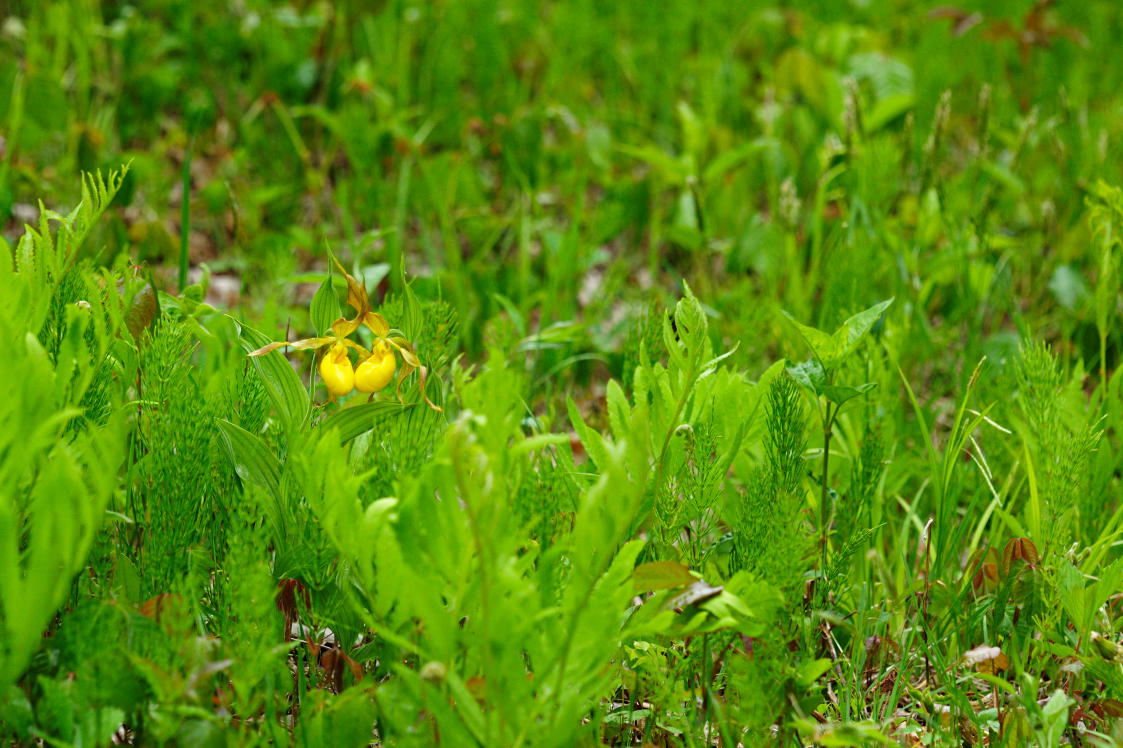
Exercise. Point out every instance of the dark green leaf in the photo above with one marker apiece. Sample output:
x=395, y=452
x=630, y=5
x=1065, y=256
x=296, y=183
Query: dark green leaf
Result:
x=252, y=459
x=831, y=350
x=810, y=376
x=820, y=343
x=281, y=381
x=324, y=308
x=840, y=394
x=413, y=318
x=851, y=332
x=358, y=419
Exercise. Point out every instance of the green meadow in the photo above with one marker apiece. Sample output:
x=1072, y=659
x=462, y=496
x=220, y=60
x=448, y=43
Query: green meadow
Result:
x=519, y=373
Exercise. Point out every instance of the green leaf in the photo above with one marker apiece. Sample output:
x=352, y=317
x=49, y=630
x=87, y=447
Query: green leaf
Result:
x=810, y=376
x=618, y=409
x=840, y=394
x=690, y=321
x=1055, y=711
x=661, y=575
x=811, y=671
x=849, y=734
x=358, y=419
x=820, y=343
x=831, y=350
x=412, y=319
x=888, y=109
x=847, y=337
x=281, y=381
x=252, y=459
x=537, y=442
x=590, y=438
x=324, y=308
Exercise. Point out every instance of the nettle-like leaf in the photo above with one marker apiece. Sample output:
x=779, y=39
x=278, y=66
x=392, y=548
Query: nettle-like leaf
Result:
x=810, y=376
x=821, y=343
x=831, y=350
x=841, y=394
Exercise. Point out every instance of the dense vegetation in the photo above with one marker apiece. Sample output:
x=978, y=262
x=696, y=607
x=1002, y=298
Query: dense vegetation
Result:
x=670, y=373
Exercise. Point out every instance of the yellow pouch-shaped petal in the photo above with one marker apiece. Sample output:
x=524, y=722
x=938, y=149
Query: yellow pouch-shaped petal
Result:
x=336, y=371
x=377, y=371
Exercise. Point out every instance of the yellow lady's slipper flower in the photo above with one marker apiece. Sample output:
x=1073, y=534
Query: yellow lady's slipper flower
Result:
x=377, y=370
x=335, y=368
x=376, y=367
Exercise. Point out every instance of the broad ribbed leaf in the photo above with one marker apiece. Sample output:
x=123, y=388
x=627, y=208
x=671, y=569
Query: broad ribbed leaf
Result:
x=350, y=422
x=282, y=383
x=324, y=308
x=252, y=459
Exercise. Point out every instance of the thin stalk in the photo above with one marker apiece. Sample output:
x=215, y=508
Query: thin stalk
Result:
x=703, y=679
x=824, y=494
x=185, y=215
x=1103, y=358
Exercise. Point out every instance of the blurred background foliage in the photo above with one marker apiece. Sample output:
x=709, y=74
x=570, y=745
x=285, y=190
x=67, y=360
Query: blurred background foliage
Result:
x=598, y=209
x=554, y=160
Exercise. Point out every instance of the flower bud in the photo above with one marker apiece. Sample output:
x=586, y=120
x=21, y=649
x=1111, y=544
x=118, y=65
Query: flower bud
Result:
x=376, y=372
x=1106, y=648
x=433, y=672
x=336, y=371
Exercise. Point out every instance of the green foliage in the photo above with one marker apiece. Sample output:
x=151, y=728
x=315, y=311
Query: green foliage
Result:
x=615, y=495
x=57, y=479
x=771, y=529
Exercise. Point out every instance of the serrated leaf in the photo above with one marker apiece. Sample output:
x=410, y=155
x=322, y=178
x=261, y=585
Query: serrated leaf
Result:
x=810, y=376
x=590, y=438
x=840, y=394
x=690, y=320
x=820, y=343
x=850, y=333
x=831, y=350
x=661, y=575
x=618, y=409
